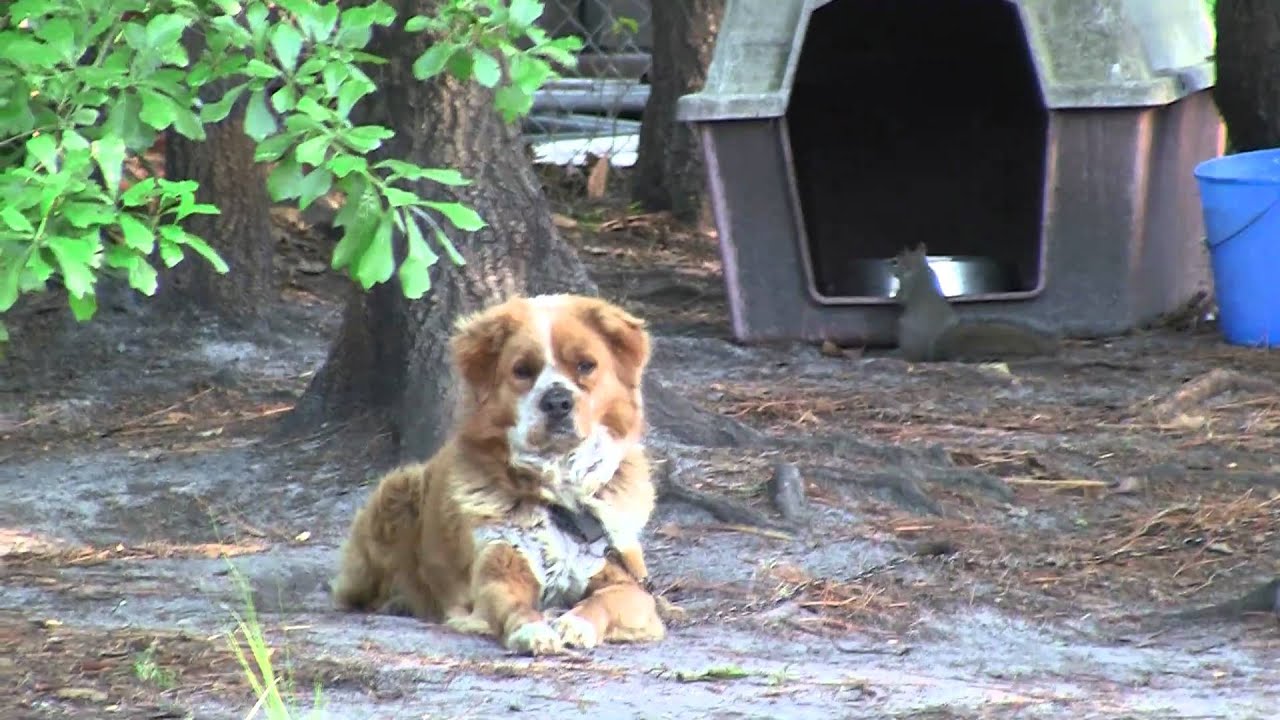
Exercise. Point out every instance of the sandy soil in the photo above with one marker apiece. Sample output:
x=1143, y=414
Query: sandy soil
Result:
x=138, y=468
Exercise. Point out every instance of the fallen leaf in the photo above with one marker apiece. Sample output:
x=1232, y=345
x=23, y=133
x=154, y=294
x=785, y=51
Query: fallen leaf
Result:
x=831, y=349
x=997, y=367
x=564, y=222
x=303, y=536
x=598, y=178
x=88, y=694
x=1220, y=548
x=1128, y=486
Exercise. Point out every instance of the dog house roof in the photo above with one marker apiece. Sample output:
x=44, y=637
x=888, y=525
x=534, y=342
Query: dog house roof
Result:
x=1088, y=53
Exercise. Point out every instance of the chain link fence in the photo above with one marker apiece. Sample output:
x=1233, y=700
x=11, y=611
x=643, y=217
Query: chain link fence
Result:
x=597, y=110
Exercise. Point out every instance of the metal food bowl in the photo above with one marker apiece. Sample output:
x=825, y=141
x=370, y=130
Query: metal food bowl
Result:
x=957, y=275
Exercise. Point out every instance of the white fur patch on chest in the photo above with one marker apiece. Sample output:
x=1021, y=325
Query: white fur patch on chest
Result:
x=572, y=478
x=562, y=563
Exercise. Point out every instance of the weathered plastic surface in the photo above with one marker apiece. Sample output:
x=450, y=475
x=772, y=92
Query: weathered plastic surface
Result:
x=1122, y=234
x=1088, y=54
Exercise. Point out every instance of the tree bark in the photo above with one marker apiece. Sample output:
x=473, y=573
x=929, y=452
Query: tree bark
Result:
x=669, y=169
x=229, y=178
x=1248, y=85
x=390, y=360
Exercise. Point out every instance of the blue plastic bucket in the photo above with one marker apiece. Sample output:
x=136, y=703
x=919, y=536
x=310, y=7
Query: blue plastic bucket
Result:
x=1240, y=198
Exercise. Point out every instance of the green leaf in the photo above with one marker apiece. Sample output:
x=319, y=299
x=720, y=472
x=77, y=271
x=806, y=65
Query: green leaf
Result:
x=418, y=248
x=9, y=286
x=158, y=110
x=415, y=278
x=351, y=92
x=259, y=69
x=139, y=193
x=258, y=120
x=15, y=220
x=358, y=217
x=462, y=217
x=454, y=256
x=188, y=206
x=218, y=111
x=512, y=102
x=442, y=176
x=88, y=214
x=313, y=151
x=459, y=65
x=60, y=36
x=398, y=198
x=485, y=68
x=366, y=138
x=256, y=15
x=109, y=151
x=274, y=147
x=143, y=277
x=44, y=150
x=284, y=99
x=85, y=116
x=188, y=124
x=285, y=181
x=529, y=73
x=522, y=15
x=321, y=23
x=25, y=52
x=170, y=252
x=83, y=307
x=202, y=248
x=136, y=234
x=417, y=23
x=343, y=164
x=122, y=121
x=76, y=257
x=286, y=41
x=433, y=61
x=315, y=184
x=165, y=30
x=378, y=261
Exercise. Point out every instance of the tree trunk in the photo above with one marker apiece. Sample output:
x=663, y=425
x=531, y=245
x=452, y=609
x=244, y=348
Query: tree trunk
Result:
x=1248, y=84
x=391, y=356
x=242, y=233
x=669, y=169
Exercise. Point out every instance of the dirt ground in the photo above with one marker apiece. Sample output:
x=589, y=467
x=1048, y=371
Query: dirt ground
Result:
x=1067, y=499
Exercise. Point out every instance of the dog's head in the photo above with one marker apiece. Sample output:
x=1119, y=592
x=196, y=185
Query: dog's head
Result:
x=550, y=372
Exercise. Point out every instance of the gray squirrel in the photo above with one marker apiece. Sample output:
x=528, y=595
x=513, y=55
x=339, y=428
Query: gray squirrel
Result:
x=930, y=330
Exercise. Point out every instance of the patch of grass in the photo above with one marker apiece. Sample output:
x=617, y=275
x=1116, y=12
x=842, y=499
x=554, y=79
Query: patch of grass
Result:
x=147, y=669
x=254, y=653
x=710, y=674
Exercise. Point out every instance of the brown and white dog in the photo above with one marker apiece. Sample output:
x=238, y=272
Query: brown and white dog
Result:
x=497, y=526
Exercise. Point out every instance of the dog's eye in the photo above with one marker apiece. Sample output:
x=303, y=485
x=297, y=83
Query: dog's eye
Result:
x=522, y=371
x=586, y=366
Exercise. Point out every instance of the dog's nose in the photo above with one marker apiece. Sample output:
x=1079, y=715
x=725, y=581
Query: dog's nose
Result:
x=556, y=402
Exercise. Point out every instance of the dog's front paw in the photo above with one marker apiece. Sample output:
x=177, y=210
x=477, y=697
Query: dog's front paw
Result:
x=535, y=638
x=469, y=624
x=576, y=631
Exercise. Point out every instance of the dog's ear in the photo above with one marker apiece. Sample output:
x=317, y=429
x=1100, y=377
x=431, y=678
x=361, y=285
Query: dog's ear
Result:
x=477, y=344
x=626, y=337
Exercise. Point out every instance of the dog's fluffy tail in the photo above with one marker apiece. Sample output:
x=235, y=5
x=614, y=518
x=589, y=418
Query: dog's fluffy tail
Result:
x=365, y=578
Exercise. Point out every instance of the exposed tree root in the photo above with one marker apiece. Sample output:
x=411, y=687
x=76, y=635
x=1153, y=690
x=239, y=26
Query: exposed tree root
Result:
x=1198, y=391
x=671, y=489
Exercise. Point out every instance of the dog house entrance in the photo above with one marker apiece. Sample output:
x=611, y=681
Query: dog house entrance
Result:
x=917, y=121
